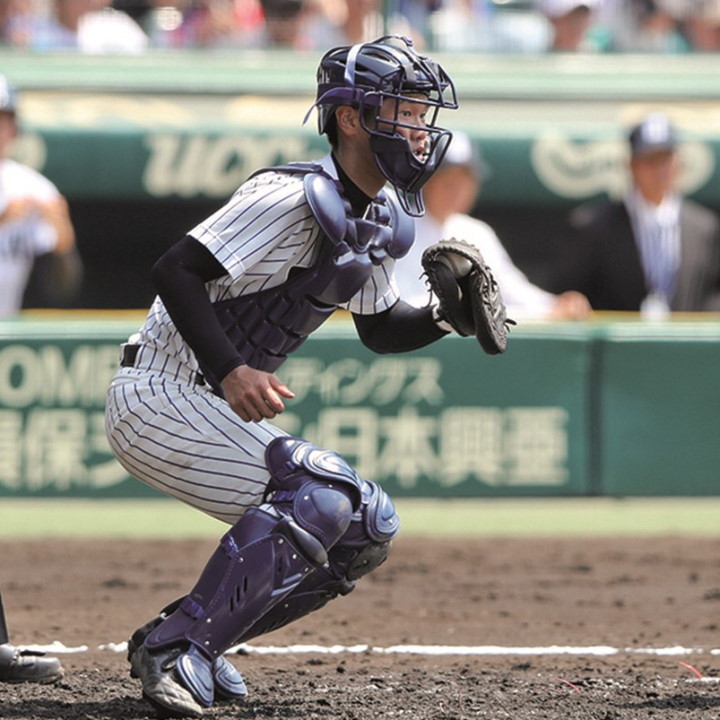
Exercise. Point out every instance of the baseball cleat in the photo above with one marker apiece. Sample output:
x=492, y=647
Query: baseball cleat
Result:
x=17, y=666
x=229, y=683
x=160, y=688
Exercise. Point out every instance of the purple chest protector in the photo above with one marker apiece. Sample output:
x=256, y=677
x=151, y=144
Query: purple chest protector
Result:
x=266, y=327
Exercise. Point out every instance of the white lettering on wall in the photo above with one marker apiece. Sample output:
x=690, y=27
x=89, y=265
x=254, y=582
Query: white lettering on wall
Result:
x=190, y=165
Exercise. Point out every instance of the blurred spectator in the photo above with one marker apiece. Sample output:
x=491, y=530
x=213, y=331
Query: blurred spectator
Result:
x=702, y=26
x=89, y=26
x=15, y=22
x=189, y=23
x=654, y=251
x=570, y=21
x=449, y=196
x=283, y=21
x=483, y=26
x=296, y=24
x=412, y=18
x=221, y=23
x=646, y=26
x=203, y=23
x=310, y=24
x=362, y=20
x=34, y=224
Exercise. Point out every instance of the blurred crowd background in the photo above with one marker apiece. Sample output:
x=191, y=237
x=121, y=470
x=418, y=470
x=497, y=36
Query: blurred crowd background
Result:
x=501, y=26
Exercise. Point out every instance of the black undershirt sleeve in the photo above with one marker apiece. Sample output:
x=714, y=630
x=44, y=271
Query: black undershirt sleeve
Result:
x=400, y=329
x=179, y=277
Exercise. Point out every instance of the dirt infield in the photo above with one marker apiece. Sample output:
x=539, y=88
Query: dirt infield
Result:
x=633, y=595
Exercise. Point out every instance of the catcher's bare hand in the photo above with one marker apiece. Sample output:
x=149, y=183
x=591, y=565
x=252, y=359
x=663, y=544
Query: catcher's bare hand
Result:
x=255, y=395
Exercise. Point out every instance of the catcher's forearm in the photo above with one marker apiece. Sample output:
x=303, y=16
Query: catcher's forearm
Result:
x=400, y=329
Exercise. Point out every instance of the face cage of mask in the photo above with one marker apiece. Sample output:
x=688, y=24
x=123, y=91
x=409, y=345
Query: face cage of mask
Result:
x=406, y=172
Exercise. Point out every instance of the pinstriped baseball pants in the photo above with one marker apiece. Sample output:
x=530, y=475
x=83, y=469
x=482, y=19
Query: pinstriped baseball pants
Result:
x=181, y=439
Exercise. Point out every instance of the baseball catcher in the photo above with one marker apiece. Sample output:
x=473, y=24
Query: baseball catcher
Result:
x=190, y=410
x=469, y=299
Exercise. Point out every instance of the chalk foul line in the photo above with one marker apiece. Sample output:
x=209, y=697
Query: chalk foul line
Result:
x=59, y=648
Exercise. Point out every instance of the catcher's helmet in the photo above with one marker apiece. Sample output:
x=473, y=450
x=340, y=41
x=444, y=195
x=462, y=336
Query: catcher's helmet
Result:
x=365, y=76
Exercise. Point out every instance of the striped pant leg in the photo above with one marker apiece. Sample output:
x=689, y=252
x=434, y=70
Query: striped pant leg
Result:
x=186, y=442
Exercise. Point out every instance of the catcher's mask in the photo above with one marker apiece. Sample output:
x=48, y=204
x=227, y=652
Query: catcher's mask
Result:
x=369, y=75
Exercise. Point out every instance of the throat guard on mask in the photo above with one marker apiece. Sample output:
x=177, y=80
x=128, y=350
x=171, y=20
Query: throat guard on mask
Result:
x=267, y=326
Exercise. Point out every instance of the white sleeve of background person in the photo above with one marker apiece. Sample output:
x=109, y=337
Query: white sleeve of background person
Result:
x=522, y=298
x=23, y=239
x=110, y=31
x=408, y=270
x=19, y=181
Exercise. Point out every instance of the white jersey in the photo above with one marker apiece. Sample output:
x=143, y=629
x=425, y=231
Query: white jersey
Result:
x=21, y=240
x=103, y=31
x=522, y=298
x=178, y=436
x=264, y=231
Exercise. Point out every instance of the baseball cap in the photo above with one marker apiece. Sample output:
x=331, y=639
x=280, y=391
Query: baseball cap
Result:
x=654, y=134
x=8, y=99
x=558, y=8
x=462, y=152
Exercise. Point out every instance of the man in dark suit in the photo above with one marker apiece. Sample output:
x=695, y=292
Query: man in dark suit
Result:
x=654, y=251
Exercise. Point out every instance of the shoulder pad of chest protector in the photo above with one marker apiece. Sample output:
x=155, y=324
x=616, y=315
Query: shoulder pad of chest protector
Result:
x=328, y=206
x=395, y=229
x=330, y=209
x=334, y=213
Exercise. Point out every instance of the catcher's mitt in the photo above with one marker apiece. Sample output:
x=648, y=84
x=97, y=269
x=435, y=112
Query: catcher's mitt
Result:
x=468, y=296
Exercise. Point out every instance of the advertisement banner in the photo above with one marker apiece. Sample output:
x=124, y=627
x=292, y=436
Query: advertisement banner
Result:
x=443, y=421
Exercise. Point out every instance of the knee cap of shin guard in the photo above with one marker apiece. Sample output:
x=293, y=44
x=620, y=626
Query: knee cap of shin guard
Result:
x=324, y=511
x=292, y=461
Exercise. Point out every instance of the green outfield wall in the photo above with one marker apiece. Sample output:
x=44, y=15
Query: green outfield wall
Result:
x=658, y=411
x=616, y=409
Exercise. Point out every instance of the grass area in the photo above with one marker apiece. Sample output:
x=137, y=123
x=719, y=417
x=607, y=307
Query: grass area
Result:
x=41, y=518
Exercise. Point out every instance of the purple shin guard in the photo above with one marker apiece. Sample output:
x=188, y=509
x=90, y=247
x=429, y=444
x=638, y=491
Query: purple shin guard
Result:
x=257, y=563
x=260, y=560
x=354, y=556
x=320, y=529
